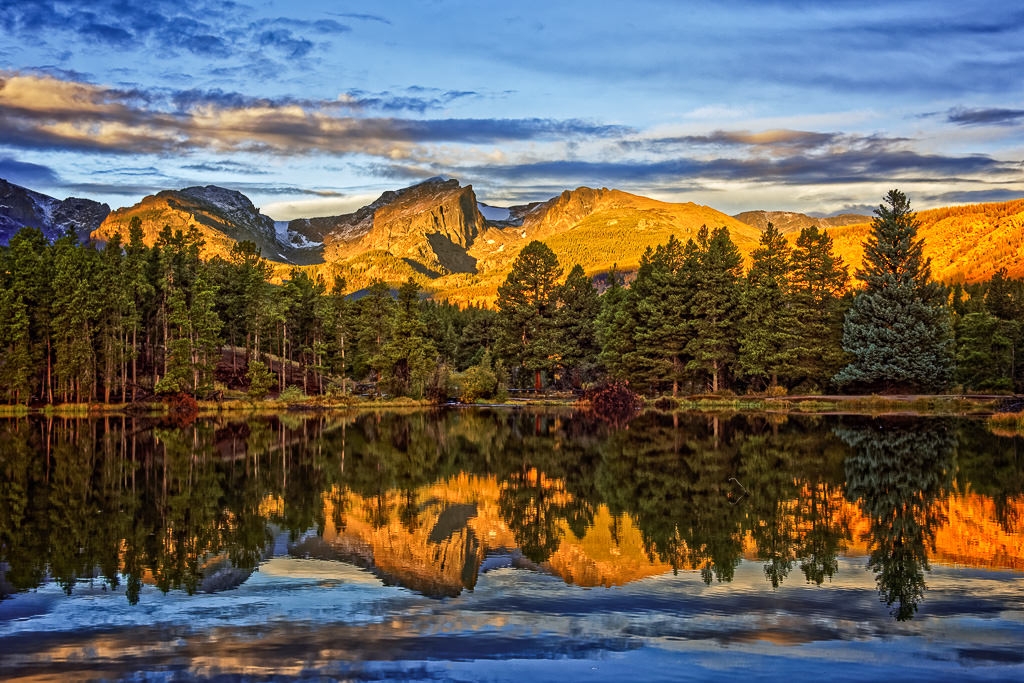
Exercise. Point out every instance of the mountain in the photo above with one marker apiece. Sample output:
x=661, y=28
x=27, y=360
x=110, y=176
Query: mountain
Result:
x=457, y=247
x=790, y=221
x=223, y=217
x=430, y=226
x=21, y=207
x=596, y=228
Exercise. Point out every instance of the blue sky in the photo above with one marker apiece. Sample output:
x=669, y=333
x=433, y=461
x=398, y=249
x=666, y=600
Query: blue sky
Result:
x=314, y=108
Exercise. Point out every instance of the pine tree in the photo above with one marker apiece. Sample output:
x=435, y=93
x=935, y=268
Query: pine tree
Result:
x=1004, y=297
x=818, y=279
x=341, y=325
x=527, y=303
x=767, y=330
x=15, y=352
x=715, y=305
x=142, y=293
x=373, y=327
x=660, y=299
x=76, y=309
x=985, y=348
x=29, y=264
x=578, y=307
x=614, y=328
x=407, y=357
x=898, y=329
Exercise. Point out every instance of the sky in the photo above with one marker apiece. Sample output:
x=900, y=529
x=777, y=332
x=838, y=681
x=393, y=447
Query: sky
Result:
x=314, y=108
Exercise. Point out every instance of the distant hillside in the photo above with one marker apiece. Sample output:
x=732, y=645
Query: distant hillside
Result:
x=965, y=243
x=789, y=221
x=21, y=207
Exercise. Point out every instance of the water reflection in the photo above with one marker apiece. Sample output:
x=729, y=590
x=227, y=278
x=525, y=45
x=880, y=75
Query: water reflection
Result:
x=897, y=472
x=430, y=500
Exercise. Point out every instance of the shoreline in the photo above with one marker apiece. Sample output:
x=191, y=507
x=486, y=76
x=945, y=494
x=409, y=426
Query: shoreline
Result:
x=870, y=404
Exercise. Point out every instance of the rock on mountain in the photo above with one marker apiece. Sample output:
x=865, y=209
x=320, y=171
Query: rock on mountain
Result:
x=430, y=226
x=223, y=217
x=790, y=221
x=21, y=207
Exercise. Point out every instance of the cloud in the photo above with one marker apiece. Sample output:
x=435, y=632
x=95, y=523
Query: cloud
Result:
x=43, y=112
x=286, y=41
x=226, y=166
x=200, y=27
x=364, y=17
x=851, y=166
x=974, y=196
x=769, y=140
x=27, y=174
x=985, y=117
x=419, y=99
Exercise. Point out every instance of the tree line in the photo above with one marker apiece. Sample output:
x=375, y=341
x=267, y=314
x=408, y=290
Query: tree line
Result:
x=128, y=321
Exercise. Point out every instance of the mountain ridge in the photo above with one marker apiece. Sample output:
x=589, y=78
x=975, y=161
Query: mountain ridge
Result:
x=457, y=247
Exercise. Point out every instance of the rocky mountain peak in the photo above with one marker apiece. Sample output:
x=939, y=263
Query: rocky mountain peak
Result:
x=21, y=207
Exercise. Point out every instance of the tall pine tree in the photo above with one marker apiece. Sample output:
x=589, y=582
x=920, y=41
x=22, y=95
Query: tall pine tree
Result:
x=818, y=280
x=715, y=305
x=660, y=298
x=898, y=329
x=578, y=307
x=526, y=310
x=767, y=348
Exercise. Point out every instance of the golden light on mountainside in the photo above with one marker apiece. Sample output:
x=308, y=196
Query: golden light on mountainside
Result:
x=436, y=234
x=435, y=538
x=965, y=243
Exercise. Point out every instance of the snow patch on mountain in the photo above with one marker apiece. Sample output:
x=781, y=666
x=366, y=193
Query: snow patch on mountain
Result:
x=293, y=239
x=281, y=230
x=494, y=213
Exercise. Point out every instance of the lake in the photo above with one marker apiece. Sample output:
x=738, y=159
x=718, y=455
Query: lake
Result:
x=503, y=544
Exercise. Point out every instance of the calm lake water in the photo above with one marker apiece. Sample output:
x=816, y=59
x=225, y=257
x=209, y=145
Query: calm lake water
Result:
x=474, y=544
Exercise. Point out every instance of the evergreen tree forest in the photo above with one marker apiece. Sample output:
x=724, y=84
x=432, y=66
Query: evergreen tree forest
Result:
x=126, y=322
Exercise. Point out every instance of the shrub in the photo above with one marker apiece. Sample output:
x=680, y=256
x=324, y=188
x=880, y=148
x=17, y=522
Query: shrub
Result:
x=476, y=382
x=613, y=401
x=666, y=403
x=260, y=380
x=182, y=408
x=292, y=394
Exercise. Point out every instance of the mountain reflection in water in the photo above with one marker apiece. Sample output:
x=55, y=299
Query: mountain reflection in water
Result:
x=434, y=502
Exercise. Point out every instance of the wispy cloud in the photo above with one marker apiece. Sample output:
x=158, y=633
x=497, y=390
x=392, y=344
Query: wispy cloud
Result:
x=842, y=167
x=985, y=117
x=226, y=166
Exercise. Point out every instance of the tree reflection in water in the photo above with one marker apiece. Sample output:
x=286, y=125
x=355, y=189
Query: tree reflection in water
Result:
x=897, y=472
x=423, y=498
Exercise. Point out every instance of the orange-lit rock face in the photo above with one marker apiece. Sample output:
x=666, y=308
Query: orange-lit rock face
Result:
x=435, y=539
x=432, y=541
x=610, y=553
x=435, y=233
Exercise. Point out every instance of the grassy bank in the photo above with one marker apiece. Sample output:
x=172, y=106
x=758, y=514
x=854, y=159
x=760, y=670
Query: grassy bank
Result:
x=865, y=405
